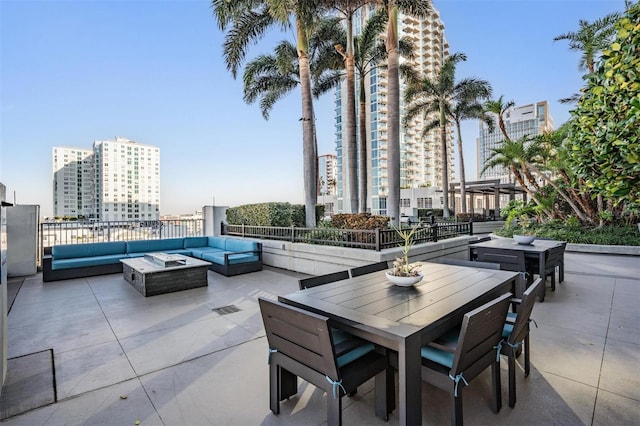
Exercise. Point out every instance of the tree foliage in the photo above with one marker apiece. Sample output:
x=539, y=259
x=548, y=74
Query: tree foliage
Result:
x=603, y=138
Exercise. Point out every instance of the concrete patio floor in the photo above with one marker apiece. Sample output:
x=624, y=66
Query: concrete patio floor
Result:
x=177, y=359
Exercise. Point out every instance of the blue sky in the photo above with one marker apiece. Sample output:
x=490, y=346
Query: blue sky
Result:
x=152, y=71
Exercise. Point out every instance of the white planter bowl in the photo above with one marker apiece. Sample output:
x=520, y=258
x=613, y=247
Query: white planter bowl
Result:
x=404, y=281
x=524, y=239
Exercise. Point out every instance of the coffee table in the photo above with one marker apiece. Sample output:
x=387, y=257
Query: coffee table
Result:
x=150, y=277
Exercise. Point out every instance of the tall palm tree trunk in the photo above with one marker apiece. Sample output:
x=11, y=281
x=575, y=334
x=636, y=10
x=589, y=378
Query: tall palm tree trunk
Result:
x=309, y=150
x=393, y=142
x=362, y=151
x=445, y=162
x=352, y=145
x=463, y=182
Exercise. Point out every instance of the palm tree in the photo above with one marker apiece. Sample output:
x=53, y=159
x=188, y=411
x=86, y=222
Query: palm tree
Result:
x=591, y=39
x=348, y=8
x=499, y=107
x=418, y=8
x=430, y=96
x=245, y=22
x=467, y=106
x=368, y=54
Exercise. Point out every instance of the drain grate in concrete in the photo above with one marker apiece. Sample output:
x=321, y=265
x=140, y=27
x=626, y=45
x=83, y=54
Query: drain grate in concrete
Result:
x=30, y=383
x=224, y=310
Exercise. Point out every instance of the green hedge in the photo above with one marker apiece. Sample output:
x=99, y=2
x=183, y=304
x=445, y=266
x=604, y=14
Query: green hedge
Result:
x=607, y=235
x=270, y=214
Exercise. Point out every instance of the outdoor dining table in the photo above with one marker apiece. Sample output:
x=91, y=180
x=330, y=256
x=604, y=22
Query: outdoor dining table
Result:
x=403, y=319
x=539, y=249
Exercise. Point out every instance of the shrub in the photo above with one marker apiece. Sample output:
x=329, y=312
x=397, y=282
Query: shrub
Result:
x=606, y=235
x=359, y=221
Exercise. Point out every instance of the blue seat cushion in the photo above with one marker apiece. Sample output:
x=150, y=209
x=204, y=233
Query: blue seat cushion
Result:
x=149, y=246
x=191, y=242
x=354, y=354
x=81, y=262
x=438, y=355
x=508, y=327
x=200, y=251
x=218, y=257
x=73, y=251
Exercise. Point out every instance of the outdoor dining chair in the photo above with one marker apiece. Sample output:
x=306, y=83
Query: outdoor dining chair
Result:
x=554, y=260
x=516, y=335
x=473, y=264
x=322, y=279
x=367, y=269
x=454, y=360
x=300, y=344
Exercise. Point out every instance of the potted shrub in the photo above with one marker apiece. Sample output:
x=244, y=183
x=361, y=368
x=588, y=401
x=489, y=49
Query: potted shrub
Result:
x=404, y=273
x=526, y=234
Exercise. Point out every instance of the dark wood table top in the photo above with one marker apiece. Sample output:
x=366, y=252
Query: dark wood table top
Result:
x=374, y=305
x=508, y=243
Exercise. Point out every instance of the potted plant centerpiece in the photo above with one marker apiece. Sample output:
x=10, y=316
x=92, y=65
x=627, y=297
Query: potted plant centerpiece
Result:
x=404, y=273
x=526, y=235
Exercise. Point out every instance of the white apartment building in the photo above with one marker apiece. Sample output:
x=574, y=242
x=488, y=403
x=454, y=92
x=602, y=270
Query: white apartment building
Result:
x=531, y=119
x=119, y=180
x=421, y=161
x=73, y=182
x=327, y=174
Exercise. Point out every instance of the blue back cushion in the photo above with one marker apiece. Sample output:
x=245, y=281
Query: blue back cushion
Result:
x=190, y=242
x=71, y=251
x=217, y=242
x=236, y=245
x=148, y=246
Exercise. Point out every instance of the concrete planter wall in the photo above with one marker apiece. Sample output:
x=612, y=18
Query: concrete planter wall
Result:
x=317, y=260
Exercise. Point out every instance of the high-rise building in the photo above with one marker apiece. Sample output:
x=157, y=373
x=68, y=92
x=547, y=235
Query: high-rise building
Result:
x=73, y=182
x=520, y=121
x=327, y=174
x=116, y=180
x=421, y=161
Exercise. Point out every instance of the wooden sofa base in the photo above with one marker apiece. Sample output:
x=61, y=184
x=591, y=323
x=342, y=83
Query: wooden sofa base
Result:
x=49, y=274
x=236, y=269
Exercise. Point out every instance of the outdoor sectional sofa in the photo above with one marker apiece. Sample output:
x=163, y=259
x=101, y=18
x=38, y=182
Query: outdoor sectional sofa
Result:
x=228, y=256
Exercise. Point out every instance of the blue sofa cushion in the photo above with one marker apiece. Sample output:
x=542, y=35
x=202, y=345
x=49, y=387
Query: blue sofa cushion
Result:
x=73, y=251
x=200, y=251
x=149, y=246
x=217, y=242
x=81, y=262
x=190, y=242
x=236, y=245
x=218, y=257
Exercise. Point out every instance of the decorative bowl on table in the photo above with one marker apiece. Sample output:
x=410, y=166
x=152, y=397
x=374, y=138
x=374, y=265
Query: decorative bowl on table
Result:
x=404, y=281
x=524, y=239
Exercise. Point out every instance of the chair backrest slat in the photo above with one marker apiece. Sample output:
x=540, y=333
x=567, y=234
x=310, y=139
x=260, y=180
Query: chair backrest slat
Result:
x=301, y=335
x=554, y=257
x=524, y=309
x=509, y=260
x=480, y=334
x=367, y=269
x=322, y=279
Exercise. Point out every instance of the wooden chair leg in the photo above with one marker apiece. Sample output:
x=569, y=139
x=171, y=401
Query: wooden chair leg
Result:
x=456, y=408
x=334, y=410
x=511, y=360
x=382, y=397
x=527, y=362
x=497, y=393
x=274, y=388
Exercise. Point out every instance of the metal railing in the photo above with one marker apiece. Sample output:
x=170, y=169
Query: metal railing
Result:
x=82, y=232
x=375, y=239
